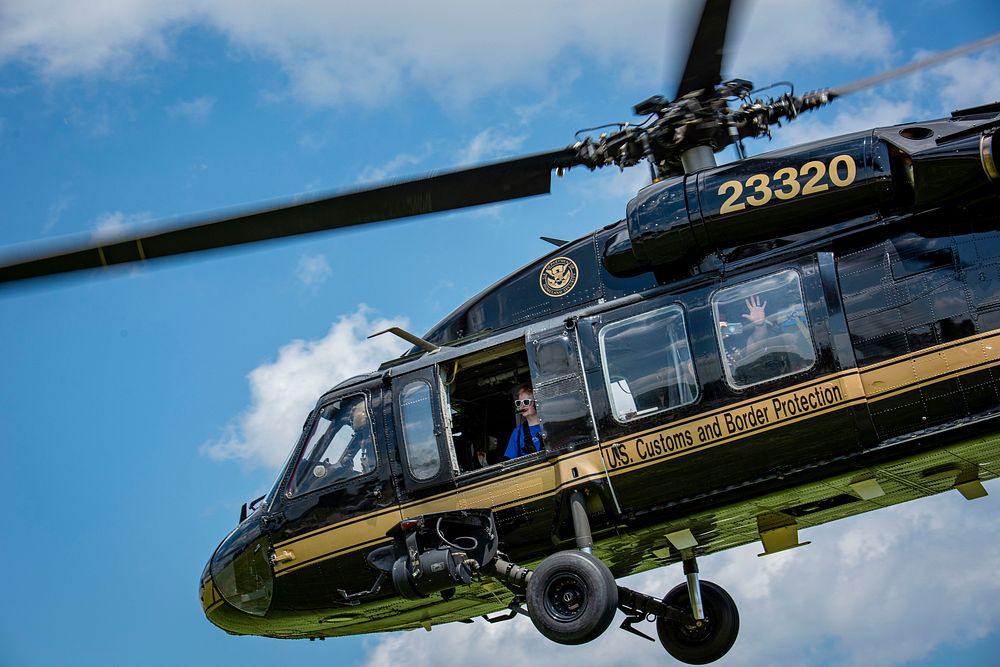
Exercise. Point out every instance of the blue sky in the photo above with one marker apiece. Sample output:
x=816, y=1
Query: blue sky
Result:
x=140, y=408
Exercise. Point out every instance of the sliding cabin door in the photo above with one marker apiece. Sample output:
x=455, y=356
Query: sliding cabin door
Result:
x=723, y=386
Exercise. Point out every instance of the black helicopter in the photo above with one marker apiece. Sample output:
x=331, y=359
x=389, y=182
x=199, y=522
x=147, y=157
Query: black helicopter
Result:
x=671, y=430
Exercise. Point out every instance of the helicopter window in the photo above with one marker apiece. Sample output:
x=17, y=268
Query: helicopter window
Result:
x=340, y=447
x=480, y=392
x=647, y=364
x=417, y=417
x=762, y=329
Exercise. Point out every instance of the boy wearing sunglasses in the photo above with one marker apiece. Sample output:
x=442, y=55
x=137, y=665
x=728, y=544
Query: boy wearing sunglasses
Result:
x=527, y=436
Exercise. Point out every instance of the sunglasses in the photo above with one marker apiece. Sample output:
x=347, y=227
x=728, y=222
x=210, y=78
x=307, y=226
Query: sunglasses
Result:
x=518, y=402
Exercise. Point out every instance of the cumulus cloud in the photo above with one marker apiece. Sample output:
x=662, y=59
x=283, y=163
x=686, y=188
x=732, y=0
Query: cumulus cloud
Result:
x=64, y=38
x=884, y=589
x=60, y=204
x=115, y=224
x=197, y=109
x=932, y=93
x=490, y=143
x=807, y=33
x=283, y=391
x=365, y=52
x=313, y=270
x=394, y=167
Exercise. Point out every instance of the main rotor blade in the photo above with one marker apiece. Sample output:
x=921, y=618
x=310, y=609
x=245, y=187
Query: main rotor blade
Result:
x=499, y=181
x=914, y=66
x=704, y=64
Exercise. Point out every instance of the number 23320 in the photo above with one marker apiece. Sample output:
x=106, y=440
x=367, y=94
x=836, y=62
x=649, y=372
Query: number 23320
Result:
x=784, y=184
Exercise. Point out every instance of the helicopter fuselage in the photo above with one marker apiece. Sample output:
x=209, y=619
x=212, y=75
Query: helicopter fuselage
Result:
x=756, y=349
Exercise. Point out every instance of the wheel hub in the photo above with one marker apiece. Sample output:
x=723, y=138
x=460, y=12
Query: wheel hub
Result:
x=566, y=597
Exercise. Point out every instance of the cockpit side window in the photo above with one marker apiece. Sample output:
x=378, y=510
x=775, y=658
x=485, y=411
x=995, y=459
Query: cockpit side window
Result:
x=647, y=364
x=417, y=418
x=762, y=330
x=341, y=446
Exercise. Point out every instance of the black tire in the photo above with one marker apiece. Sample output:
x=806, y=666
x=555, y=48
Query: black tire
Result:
x=572, y=597
x=700, y=645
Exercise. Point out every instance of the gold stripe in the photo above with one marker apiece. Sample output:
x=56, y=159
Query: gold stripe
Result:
x=329, y=544
x=747, y=403
x=543, y=480
x=734, y=423
x=408, y=509
x=929, y=365
x=759, y=415
x=100, y=252
x=929, y=350
x=935, y=380
x=498, y=494
x=318, y=550
x=142, y=253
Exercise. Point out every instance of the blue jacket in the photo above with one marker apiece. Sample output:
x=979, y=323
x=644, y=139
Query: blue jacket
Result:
x=515, y=446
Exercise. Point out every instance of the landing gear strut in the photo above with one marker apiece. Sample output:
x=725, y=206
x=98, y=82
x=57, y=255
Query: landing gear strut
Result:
x=699, y=642
x=572, y=597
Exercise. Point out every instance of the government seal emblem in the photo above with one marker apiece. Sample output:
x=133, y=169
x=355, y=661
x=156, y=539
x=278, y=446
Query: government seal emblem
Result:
x=558, y=276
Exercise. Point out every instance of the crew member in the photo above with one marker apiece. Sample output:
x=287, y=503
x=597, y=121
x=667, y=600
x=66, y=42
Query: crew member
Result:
x=527, y=436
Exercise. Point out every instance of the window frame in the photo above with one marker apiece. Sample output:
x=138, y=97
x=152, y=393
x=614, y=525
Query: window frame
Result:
x=605, y=373
x=434, y=435
x=299, y=453
x=727, y=370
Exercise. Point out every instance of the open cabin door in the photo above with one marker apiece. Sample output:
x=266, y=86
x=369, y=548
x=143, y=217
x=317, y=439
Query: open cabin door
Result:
x=423, y=432
x=557, y=377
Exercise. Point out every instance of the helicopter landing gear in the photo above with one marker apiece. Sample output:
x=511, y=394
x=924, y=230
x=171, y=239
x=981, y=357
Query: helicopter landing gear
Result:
x=572, y=597
x=699, y=641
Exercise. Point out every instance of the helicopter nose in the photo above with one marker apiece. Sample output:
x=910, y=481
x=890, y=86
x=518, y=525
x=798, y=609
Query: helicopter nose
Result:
x=238, y=580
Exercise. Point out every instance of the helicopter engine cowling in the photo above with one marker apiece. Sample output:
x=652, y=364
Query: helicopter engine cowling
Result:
x=758, y=199
x=960, y=169
x=673, y=223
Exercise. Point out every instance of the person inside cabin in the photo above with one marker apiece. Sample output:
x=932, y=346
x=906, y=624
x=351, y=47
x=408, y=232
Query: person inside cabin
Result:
x=760, y=328
x=526, y=437
x=479, y=459
x=753, y=333
x=361, y=441
x=767, y=346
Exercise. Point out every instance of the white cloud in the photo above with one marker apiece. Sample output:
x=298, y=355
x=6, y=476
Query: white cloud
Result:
x=282, y=392
x=882, y=589
x=933, y=93
x=313, y=270
x=454, y=51
x=779, y=33
x=964, y=82
x=65, y=38
x=489, y=144
x=394, y=167
x=197, y=109
x=60, y=204
x=113, y=225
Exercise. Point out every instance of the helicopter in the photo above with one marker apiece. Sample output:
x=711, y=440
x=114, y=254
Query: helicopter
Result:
x=811, y=381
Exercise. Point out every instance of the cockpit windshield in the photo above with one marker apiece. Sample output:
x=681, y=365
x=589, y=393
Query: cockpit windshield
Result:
x=340, y=446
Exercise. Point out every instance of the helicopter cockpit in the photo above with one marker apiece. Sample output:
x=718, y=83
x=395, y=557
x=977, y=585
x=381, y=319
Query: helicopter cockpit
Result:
x=339, y=447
